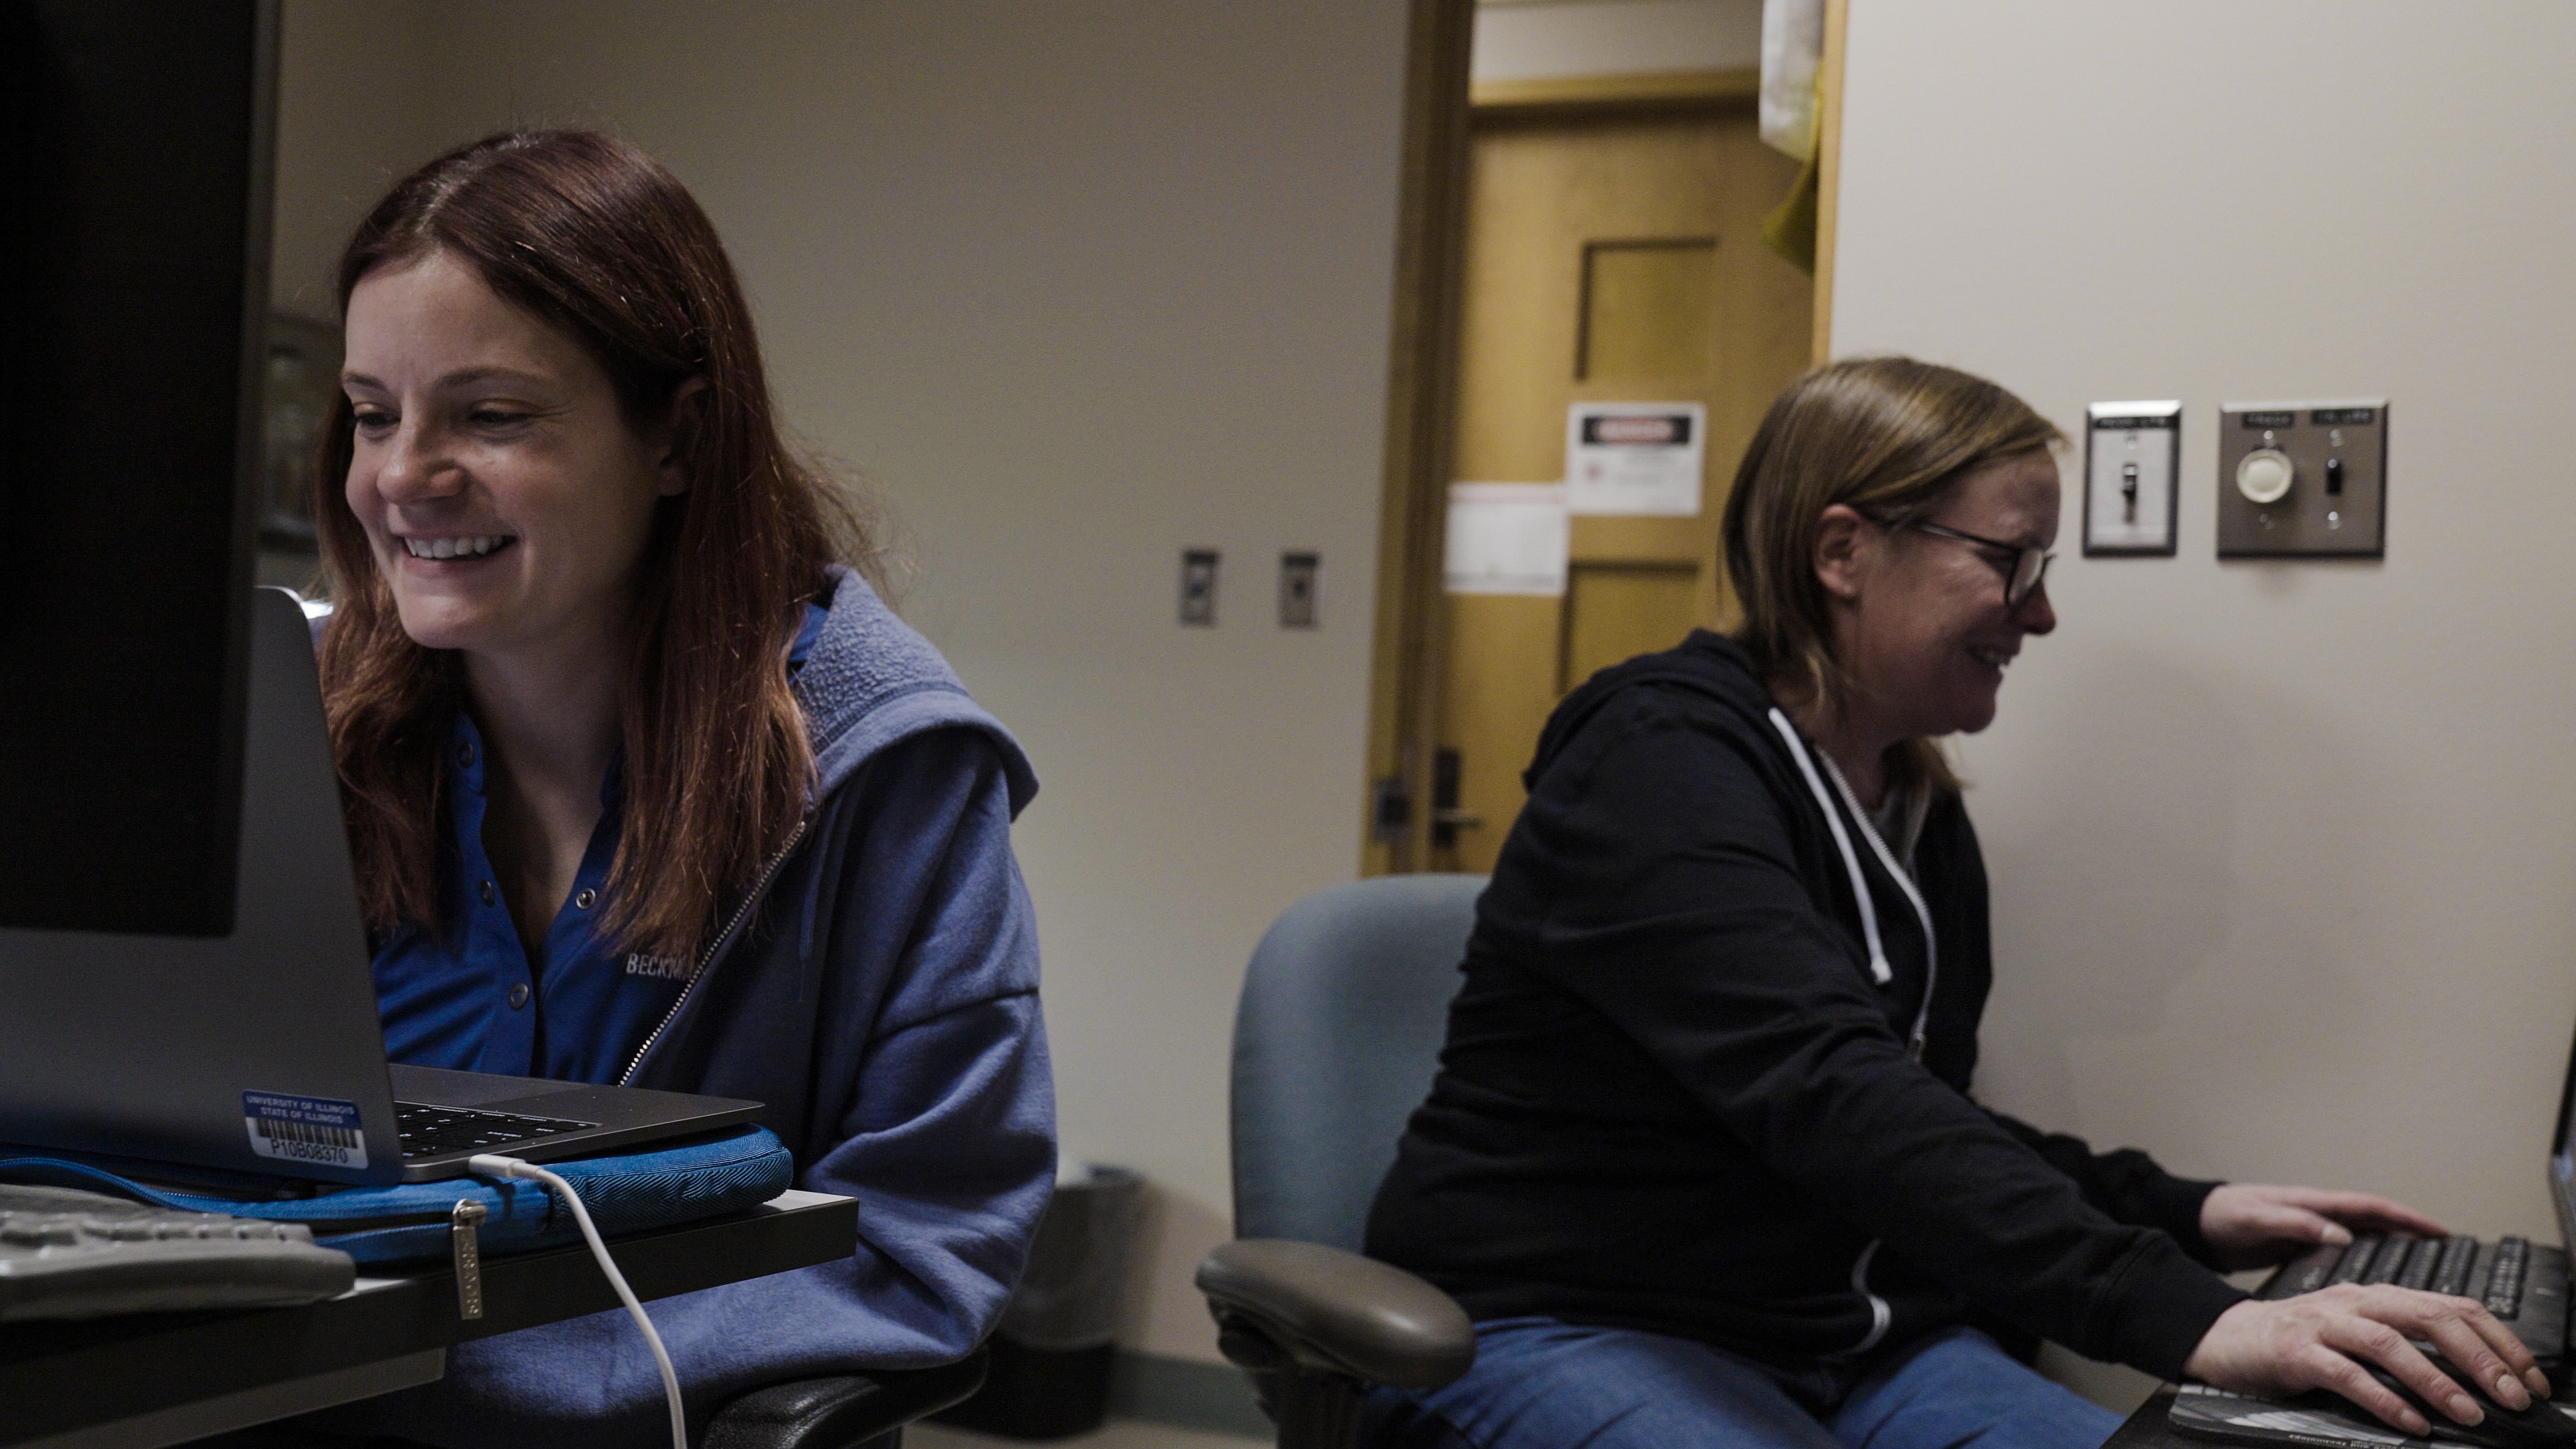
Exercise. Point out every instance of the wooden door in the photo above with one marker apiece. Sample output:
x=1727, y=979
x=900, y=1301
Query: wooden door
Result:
x=1615, y=258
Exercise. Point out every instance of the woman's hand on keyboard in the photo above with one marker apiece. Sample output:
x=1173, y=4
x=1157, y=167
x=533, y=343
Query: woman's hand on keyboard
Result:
x=2319, y=1341
x=2258, y=1224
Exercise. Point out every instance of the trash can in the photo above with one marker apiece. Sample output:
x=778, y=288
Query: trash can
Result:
x=1051, y=1355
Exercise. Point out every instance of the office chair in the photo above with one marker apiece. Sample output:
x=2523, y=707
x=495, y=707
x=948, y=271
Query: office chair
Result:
x=843, y=1411
x=1336, y=1040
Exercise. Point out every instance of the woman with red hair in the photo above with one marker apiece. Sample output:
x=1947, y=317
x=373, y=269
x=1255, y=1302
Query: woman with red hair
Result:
x=646, y=785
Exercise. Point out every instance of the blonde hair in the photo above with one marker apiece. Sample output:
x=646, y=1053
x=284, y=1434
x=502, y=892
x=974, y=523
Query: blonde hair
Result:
x=1887, y=437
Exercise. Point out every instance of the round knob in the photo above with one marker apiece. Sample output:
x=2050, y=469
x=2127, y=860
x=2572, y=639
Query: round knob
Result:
x=2264, y=475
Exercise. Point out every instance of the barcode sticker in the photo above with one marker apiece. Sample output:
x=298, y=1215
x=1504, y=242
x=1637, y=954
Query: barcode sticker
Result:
x=304, y=1129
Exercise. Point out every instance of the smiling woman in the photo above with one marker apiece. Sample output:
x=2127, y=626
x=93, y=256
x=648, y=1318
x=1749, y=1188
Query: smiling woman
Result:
x=507, y=506
x=487, y=372
x=1853, y=459
x=478, y=429
x=643, y=785
x=1701, y=1159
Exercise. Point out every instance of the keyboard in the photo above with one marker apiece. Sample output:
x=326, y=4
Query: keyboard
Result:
x=2522, y=1283
x=427, y=1131
x=71, y=1254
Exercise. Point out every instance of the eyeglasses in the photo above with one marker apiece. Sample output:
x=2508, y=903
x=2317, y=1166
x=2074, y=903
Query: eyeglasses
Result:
x=2022, y=577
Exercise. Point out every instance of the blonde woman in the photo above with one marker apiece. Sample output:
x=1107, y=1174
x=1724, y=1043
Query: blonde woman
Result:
x=1701, y=1159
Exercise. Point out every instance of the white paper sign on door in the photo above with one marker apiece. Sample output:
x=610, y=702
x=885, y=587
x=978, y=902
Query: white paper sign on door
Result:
x=1634, y=458
x=1506, y=538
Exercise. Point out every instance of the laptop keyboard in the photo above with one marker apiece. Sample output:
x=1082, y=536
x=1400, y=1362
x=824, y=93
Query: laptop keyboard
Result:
x=427, y=1131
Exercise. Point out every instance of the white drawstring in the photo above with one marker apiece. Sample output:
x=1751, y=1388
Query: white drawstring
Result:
x=1878, y=969
x=1881, y=1315
x=1913, y=897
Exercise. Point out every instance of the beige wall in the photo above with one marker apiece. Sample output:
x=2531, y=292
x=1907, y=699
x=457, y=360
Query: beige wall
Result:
x=356, y=88
x=2285, y=884
x=1077, y=285
x=1538, y=39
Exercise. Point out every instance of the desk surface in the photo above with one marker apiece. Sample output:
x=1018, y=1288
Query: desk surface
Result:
x=58, y=1379
x=2147, y=1429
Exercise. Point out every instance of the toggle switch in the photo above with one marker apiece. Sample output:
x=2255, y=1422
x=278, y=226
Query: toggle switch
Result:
x=2334, y=477
x=2131, y=458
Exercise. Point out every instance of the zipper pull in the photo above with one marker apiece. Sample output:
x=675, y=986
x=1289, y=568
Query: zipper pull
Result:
x=467, y=1245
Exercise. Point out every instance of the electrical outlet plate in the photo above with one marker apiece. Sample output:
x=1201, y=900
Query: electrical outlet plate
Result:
x=1297, y=589
x=2132, y=476
x=1198, y=588
x=2303, y=479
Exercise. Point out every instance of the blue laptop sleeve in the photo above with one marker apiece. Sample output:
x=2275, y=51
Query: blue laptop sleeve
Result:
x=408, y=1222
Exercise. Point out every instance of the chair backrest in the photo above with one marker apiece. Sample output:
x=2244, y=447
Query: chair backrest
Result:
x=1335, y=1043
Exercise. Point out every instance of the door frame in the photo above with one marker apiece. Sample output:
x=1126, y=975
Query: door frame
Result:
x=1829, y=172
x=1442, y=113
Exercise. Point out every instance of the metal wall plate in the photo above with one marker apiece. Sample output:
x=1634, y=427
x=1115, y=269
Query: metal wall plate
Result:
x=2132, y=478
x=1198, y=588
x=2303, y=479
x=1297, y=571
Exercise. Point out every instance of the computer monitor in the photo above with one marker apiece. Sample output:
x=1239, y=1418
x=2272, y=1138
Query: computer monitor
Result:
x=2562, y=1157
x=134, y=268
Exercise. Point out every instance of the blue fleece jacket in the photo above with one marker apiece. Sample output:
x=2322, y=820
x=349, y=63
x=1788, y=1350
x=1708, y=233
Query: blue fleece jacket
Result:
x=880, y=995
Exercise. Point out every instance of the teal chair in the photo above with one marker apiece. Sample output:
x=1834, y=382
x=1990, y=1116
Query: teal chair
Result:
x=1336, y=1040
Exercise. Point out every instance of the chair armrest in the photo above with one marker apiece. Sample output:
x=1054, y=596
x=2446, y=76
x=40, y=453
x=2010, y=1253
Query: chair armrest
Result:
x=843, y=1410
x=1336, y=1312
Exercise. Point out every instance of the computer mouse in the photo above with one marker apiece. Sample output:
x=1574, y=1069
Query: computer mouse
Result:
x=2540, y=1425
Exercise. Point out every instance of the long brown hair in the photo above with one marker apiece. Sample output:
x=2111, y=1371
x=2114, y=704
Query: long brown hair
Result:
x=599, y=241
x=1888, y=437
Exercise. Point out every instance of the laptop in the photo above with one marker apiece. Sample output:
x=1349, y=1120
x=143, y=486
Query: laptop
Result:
x=260, y=1052
x=2523, y=1283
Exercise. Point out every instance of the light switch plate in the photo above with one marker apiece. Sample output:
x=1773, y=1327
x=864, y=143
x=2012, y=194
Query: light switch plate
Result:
x=1198, y=588
x=2303, y=479
x=2132, y=476
x=1297, y=570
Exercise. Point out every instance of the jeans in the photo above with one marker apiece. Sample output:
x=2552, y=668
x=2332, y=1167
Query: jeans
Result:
x=1541, y=1384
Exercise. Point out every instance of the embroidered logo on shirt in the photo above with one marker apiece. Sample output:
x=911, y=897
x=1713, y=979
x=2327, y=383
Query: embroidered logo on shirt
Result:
x=666, y=968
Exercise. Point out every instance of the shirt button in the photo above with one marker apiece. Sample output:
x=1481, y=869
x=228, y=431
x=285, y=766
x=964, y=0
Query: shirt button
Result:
x=586, y=898
x=465, y=753
x=487, y=893
x=518, y=996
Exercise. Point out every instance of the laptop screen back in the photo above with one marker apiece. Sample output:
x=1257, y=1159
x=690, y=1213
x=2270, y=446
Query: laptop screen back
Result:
x=175, y=1048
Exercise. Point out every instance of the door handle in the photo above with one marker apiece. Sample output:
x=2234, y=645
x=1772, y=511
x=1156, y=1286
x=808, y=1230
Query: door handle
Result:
x=1446, y=818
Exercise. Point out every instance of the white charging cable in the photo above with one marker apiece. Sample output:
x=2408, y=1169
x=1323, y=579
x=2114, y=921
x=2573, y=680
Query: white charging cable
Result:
x=491, y=1166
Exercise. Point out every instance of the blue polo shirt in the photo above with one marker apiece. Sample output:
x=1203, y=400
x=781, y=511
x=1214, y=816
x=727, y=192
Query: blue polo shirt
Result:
x=475, y=1001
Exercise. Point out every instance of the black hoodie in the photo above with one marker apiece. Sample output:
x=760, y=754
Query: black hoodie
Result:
x=1674, y=1097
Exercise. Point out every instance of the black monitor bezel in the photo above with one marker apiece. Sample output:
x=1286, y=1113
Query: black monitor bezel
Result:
x=145, y=165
